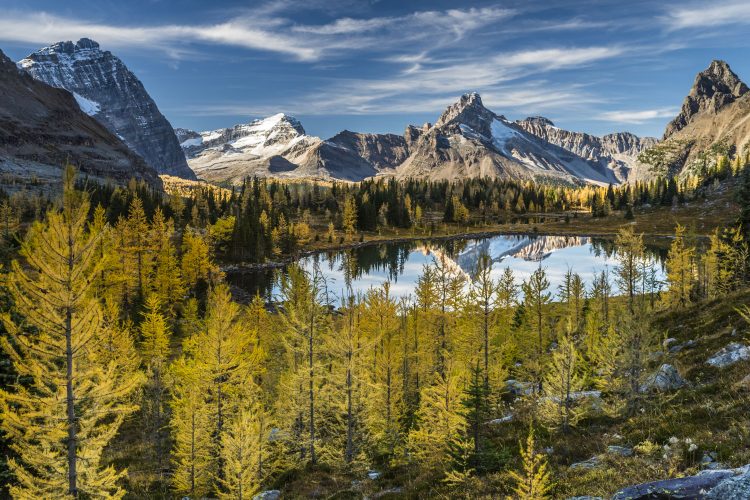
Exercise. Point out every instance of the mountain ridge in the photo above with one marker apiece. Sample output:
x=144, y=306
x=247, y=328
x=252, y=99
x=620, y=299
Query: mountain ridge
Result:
x=107, y=90
x=42, y=128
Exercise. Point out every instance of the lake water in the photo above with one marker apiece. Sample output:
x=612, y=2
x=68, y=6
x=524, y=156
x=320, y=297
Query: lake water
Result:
x=402, y=263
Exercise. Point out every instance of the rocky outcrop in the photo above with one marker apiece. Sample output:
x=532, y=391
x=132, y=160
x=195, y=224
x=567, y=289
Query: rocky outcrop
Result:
x=725, y=484
x=618, y=152
x=42, y=128
x=665, y=379
x=714, y=88
x=107, y=90
x=729, y=355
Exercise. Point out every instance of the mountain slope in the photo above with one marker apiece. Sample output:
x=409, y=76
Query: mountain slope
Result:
x=42, y=128
x=107, y=90
x=715, y=119
x=468, y=140
x=618, y=152
x=277, y=146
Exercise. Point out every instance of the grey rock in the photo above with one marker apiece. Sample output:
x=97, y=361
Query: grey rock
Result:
x=518, y=388
x=668, y=342
x=107, y=90
x=373, y=475
x=685, y=487
x=734, y=488
x=622, y=451
x=268, y=495
x=713, y=89
x=591, y=463
x=502, y=420
x=729, y=355
x=666, y=378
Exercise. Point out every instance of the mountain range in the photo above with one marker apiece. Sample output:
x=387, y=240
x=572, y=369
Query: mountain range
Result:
x=466, y=140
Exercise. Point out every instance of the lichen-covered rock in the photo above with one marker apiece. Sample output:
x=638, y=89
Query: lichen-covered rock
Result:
x=666, y=378
x=734, y=488
x=729, y=355
x=684, y=487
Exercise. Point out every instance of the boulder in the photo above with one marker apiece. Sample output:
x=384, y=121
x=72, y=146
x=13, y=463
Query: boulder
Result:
x=734, y=488
x=591, y=463
x=623, y=451
x=518, y=388
x=502, y=420
x=666, y=378
x=729, y=355
x=373, y=474
x=684, y=487
x=268, y=495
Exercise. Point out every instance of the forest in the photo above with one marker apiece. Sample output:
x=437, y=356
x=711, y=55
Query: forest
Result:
x=129, y=371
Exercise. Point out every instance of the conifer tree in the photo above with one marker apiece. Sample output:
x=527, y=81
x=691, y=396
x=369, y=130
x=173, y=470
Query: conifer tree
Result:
x=69, y=403
x=194, y=465
x=166, y=277
x=533, y=482
x=560, y=408
x=536, y=299
x=629, y=273
x=349, y=218
x=680, y=270
x=197, y=269
x=306, y=323
x=243, y=448
x=230, y=360
x=155, y=337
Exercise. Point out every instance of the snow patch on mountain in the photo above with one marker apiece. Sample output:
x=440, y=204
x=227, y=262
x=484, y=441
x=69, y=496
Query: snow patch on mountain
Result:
x=87, y=105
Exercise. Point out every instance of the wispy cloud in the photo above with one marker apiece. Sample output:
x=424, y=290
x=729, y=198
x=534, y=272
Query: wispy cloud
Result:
x=637, y=117
x=261, y=31
x=709, y=14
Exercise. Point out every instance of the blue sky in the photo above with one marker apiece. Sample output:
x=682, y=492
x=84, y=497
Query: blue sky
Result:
x=376, y=66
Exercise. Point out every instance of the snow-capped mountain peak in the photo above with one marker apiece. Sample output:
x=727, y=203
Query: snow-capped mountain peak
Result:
x=107, y=90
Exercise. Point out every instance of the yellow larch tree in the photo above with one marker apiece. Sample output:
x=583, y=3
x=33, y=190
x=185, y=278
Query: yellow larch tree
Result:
x=68, y=402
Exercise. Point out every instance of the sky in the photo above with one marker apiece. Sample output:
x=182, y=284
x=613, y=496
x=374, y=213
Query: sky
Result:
x=597, y=66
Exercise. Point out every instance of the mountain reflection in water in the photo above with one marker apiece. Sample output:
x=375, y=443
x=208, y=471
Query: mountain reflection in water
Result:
x=402, y=263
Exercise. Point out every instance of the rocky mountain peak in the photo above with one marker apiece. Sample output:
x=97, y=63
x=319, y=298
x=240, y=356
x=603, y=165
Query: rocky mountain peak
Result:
x=538, y=120
x=714, y=88
x=470, y=111
x=106, y=89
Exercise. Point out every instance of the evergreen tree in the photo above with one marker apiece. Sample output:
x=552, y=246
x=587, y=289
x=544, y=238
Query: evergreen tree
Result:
x=69, y=402
x=680, y=270
x=534, y=481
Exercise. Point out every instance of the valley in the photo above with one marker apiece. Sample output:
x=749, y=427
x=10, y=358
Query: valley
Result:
x=478, y=307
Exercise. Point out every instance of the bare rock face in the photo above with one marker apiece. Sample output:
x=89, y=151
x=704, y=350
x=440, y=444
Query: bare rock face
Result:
x=618, y=152
x=382, y=151
x=713, y=89
x=42, y=128
x=107, y=90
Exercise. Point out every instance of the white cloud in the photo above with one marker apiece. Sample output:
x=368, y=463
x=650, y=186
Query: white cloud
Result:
x=260, y=31
x=709, y=14
x=637, y=117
